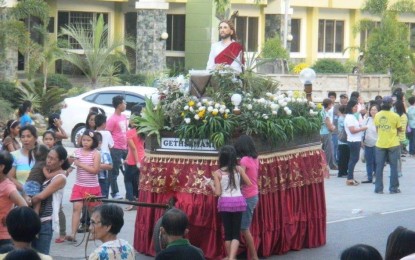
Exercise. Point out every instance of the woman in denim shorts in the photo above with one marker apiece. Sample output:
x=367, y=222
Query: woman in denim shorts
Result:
x=245, y=149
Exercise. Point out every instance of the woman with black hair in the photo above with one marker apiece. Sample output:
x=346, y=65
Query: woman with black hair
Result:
x=401, y=243
x=23, y=113
x=106, y=222
x=51, y=197
x=354, y=139
x=22, y=164
x=10, y=143
x=55, y=125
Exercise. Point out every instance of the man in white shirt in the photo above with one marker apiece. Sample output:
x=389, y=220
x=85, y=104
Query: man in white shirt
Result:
x=227, y=51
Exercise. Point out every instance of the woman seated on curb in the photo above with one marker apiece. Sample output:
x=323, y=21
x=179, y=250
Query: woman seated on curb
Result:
x=106, y=222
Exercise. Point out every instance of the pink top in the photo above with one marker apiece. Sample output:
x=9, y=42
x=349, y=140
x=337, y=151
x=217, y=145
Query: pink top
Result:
x=6, y=188
x=84, y=178
x=118, y=125
x=252, y=167
x=139, y=145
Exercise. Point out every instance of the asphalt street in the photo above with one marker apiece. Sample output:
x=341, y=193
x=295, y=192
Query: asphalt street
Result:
x=355, y=214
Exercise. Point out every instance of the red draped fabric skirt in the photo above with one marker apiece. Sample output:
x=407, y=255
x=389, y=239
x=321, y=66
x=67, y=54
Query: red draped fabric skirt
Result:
x=290, y=215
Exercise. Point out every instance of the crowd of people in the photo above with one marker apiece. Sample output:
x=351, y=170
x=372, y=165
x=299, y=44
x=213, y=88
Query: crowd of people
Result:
x=33, y=177
x=378, y=132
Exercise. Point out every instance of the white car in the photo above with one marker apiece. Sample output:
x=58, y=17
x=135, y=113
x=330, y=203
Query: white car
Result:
x=75, y=109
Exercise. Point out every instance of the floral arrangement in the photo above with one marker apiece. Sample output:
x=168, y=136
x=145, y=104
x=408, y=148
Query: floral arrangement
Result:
x=276, y=116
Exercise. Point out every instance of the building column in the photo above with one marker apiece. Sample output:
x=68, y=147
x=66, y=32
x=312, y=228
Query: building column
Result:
x=151, y=23
x=312, y=34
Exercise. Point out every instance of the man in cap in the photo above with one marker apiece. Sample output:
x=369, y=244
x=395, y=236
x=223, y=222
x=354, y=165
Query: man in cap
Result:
x=388, y=124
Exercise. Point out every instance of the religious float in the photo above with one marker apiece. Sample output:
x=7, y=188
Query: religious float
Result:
x=190, y=119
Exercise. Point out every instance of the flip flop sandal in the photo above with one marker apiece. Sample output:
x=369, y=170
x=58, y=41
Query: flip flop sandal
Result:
x=130, y=208
x=59, y=240
x=70, y=238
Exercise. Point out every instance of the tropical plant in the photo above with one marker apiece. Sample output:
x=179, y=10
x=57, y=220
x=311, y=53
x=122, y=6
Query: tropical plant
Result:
x=6, y=110
x=45, y=101
x=273, y=49
x=9, y=92
x=56, y=80
x=387, y=45
x=151, y=121
x=328, y=66
x=132, y=79
x=99, y=54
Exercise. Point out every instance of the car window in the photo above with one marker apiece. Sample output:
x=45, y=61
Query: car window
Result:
x=105, y=99
x=90, y=98
x=132, y=100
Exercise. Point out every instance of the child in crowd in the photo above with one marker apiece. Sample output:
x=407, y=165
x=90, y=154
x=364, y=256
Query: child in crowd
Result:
x=343, y=148
x=231, y=203
x=87, y=160
x=101, y=124
x=105, y=166
x=135, y=155
x=36, y=177
x=55, y=125
x=245, y=149
x=9, y=196
x=89, y=125
x=49, y=139
x=9, y=136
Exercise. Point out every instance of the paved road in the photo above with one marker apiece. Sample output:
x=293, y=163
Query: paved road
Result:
x=378, y=216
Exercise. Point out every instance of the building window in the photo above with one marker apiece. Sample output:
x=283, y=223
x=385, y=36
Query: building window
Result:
x=247, y=32
x=296, y=33
x=176, y=29
x=83, y=19
x=330, y=36
x=411, y=31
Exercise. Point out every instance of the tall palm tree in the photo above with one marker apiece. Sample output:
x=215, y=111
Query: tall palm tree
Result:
x=99, y=54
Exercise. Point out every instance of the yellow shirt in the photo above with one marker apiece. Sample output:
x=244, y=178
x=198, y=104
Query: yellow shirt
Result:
x=387, y=124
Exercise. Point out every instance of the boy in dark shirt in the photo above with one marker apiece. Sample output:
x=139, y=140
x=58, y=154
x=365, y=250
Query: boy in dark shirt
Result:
x=174, y=227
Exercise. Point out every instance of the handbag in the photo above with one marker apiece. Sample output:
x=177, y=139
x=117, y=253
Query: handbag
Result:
x=343, y=135
x=408, y=129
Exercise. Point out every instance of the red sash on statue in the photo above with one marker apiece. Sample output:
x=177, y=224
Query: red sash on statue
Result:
x=229, y=54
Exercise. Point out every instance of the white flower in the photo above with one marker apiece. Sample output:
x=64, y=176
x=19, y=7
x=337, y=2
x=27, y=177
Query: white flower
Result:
x=215, y=111
x=280, y=101
x=186, y=108
x=191, y=109
x=268, y=94
x=204, y=100
x=198, y=104
x=273, y=106
x=312, y=104
x=197, y=117
x=202, y=108
x=210, y=108
x=265, y=116
x=274, y=112
x=227, y=111
x=222, y=107
x=221, y=110
x=284, y=104
x=187, y=120
x=249, y=107
x=289, y=93
x=286, y=109
x=261, y=100
x=289, y=112
x=210, y=103
x=217, y=105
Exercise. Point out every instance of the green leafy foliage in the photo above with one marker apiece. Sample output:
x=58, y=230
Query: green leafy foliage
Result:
x=151, y=121
x=6, y=110
x=328, y=66
x=56, y=80
x=44, y=101
x=9, y=92
x=132, y=79
x=273, y=49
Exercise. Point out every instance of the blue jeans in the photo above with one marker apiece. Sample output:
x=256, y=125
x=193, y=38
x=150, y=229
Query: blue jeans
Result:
x=105, y=187
x=335, y=139
x=42, y=241
x=353, y=159
x=116, y=155
x=392, y=154
x=412, y=142
x=249, y=212
x=131, y=177
x=370, y=161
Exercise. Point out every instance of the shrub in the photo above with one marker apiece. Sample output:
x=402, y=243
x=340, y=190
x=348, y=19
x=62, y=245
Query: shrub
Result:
x=328, y=66
x=9, y=92
x=273, y=49
x=56, y=80
x=6, y=110
x=132, y=79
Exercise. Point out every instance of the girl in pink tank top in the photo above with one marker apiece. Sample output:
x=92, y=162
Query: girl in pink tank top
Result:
x=87, y=161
